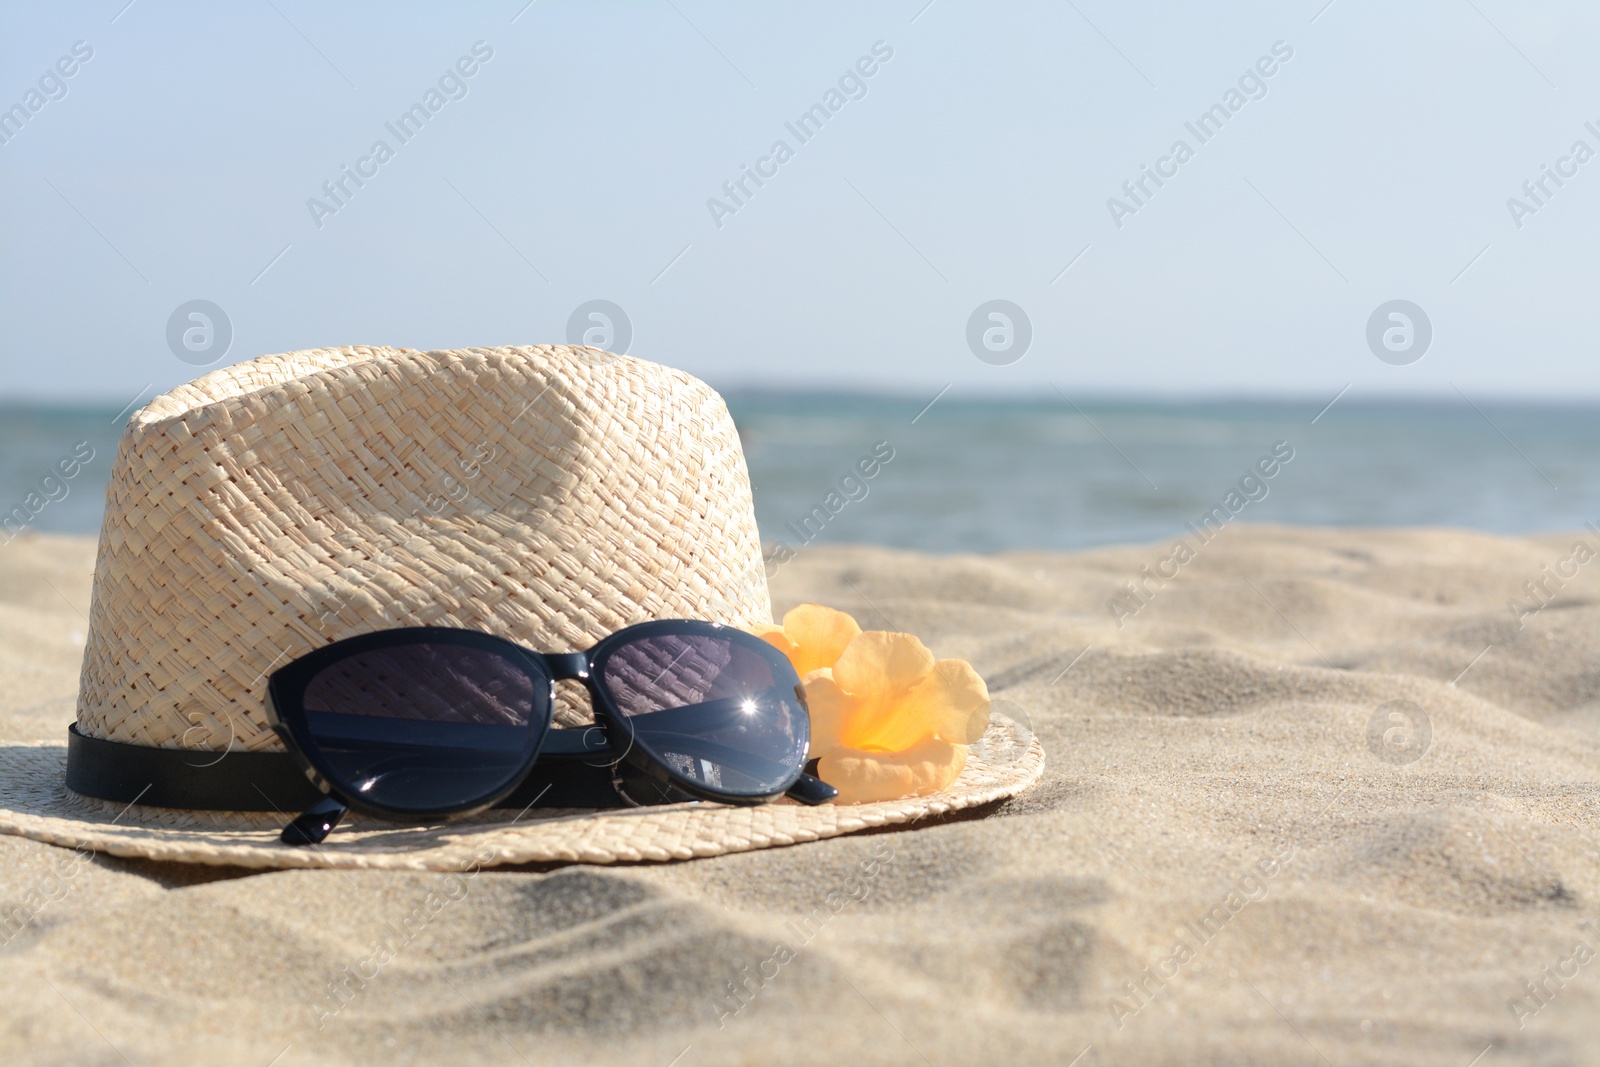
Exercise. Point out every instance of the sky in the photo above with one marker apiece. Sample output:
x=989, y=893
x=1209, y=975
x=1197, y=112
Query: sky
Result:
x=584, y=158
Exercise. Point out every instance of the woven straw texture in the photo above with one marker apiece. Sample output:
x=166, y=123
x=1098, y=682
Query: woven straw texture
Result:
x=550, y=495
x=35, y=803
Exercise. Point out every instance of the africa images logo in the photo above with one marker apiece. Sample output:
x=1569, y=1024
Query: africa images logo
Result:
x=52, y=86
x=1252, y=85
x=452, y=85
x=852, y=85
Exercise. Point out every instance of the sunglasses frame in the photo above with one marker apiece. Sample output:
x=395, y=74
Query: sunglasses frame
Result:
x=286, y=713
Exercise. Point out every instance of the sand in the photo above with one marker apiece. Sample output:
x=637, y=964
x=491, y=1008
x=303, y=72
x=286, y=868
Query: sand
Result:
x=1219, y=867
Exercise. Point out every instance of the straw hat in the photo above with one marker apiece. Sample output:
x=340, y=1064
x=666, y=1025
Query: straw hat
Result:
x=549, y=494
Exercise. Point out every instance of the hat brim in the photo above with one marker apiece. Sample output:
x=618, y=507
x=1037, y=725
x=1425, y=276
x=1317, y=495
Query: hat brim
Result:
x=35, y=803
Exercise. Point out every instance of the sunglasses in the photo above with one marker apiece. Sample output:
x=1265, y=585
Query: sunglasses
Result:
x=426, y=723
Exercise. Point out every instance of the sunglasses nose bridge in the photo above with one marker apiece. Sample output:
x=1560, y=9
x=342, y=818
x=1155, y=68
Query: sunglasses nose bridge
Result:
x=567, y=666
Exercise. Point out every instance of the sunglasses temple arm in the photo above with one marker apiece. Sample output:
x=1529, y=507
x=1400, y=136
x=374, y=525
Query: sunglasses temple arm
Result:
x=811, y=791
x=314, y=826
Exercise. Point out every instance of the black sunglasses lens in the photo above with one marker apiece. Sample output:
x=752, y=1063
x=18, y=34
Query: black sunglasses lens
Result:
x=428, y=727
x=721, y=711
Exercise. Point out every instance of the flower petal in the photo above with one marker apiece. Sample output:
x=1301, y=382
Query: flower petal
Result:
x=862, y=777
x=878, y=666
x=776, y=637
x=819, y=635
x=953, y=700
x=829, y=707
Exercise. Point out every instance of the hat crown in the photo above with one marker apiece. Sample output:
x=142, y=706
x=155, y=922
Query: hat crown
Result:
x=547, y=494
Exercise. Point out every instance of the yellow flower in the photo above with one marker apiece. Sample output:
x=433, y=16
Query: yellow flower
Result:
x=887, y=719
x=865, y=776
x=811, y=636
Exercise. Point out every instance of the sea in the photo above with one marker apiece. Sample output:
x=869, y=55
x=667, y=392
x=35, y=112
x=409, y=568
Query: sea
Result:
x=985, y=474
